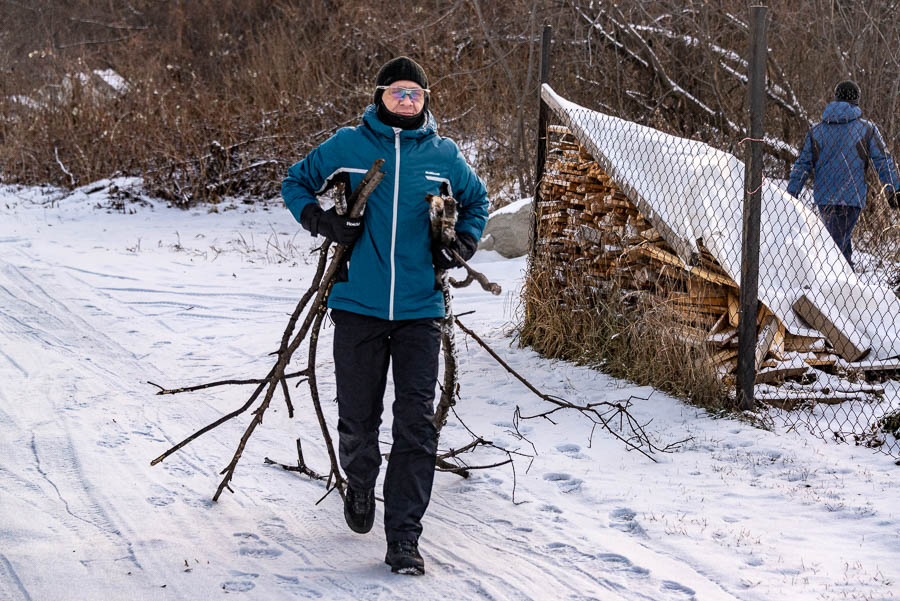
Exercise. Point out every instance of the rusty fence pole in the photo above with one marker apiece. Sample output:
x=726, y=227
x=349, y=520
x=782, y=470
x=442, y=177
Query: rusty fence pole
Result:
x=747, y=327
x=541, y=135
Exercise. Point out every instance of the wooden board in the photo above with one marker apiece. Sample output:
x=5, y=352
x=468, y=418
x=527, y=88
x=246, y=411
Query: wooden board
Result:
x=820, y=316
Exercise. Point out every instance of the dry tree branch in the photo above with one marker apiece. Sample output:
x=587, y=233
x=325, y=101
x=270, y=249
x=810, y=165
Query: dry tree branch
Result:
x=645, y=57
x=485, y=283
x=637, y=440
x=300, y=467
x=162, y=390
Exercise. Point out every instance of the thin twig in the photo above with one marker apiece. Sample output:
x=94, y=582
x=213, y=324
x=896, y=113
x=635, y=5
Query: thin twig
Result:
x=162, y=390
x=638, y=440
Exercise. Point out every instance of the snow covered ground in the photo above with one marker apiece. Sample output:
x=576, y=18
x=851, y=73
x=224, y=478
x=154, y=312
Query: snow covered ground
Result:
x=96, y=302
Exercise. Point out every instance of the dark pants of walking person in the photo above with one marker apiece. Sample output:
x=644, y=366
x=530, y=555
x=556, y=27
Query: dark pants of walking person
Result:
x=840, y=221
x=363, y=348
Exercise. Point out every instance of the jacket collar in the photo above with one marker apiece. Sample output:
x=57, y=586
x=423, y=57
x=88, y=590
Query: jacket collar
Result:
x=370, y=118
x=841, y=112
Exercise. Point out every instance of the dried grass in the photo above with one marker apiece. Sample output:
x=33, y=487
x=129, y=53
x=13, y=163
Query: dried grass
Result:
x=631, y=335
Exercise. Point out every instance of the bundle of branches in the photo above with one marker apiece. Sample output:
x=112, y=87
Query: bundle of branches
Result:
x=320, y=288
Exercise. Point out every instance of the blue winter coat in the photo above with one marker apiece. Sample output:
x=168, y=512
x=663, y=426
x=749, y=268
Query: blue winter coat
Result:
x=391, y=274
x=831, y=151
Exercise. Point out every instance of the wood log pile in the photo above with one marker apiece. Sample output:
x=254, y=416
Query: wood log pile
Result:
x=588, y=227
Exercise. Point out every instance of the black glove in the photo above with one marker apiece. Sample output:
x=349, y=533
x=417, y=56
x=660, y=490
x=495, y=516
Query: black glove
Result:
x=894, y=200
x=442, y=255
x=338, y=228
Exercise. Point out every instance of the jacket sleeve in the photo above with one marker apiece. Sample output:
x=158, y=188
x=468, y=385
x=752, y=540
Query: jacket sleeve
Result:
x=882, y=161
x=802, y=167
x=308, y=177
x=471, y=197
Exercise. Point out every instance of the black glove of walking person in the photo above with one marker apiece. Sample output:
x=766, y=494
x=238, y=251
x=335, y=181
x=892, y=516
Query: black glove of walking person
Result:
x=442, y=255
x=894, y=200
x=338, y=228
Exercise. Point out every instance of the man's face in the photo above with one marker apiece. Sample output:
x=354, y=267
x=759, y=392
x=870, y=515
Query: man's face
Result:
x=404, y=97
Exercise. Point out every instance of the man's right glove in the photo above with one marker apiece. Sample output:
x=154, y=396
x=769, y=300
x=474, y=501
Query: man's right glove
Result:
x=442, y=255
x=338, y=228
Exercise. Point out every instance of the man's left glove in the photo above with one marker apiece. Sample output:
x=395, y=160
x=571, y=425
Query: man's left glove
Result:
x=442, y=254
x=894, y=200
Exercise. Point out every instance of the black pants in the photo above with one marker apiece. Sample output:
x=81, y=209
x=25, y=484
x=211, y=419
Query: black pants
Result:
x=840, y=221
x=363, y=348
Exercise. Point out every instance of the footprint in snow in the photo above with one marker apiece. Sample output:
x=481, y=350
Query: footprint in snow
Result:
x=160, y=501
x=618, y=562
x=293, y=585
x=624, y=519
x=572, y=450
x=680, y=591
x=566, y=483
x=237, y=586
x=253, y=546
x=113, y=441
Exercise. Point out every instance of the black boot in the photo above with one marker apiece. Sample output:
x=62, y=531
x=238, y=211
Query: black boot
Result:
x=404, y=558
x=359, y=509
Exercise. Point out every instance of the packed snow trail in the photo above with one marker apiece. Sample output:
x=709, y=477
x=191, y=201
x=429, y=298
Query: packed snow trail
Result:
x=93, y=304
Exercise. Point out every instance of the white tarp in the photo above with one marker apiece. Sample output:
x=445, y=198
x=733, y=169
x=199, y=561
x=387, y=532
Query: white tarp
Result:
x=690, y=190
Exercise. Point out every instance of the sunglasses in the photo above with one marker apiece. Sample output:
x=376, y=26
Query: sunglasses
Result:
x=398, y=94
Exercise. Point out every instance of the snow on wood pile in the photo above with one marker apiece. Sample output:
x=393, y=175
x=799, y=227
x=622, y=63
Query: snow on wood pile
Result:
x=587, y=225
x=691, y=192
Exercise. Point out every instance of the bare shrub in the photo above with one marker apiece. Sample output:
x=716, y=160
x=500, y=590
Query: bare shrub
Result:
x=266, y=81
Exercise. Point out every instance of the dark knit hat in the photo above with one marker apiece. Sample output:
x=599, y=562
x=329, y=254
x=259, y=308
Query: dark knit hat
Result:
x=397, y=69
x=847, y=91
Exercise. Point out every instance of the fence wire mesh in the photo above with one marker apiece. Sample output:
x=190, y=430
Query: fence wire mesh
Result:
x=637, y=267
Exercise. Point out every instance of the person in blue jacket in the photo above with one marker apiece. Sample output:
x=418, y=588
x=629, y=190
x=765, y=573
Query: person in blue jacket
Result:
x=837, y=151
x=387, y=310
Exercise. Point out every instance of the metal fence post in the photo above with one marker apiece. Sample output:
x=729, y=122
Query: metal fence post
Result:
x=542, y=133
x=747, y=328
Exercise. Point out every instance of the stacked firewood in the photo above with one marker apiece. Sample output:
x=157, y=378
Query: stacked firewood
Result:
x=589, y=229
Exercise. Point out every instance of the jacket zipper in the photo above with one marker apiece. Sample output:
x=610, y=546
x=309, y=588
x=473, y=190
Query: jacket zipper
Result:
x=394, y=222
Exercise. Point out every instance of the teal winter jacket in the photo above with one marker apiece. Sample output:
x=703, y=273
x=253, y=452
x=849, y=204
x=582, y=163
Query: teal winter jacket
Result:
x=390, y=271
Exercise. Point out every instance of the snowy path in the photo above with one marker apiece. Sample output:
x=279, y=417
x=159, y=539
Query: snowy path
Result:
x=94, y=304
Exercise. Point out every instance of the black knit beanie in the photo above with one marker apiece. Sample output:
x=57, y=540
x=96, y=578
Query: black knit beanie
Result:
x=399, y=69
x=847, y=91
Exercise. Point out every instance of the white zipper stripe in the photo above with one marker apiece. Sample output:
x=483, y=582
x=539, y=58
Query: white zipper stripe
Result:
x=337, y=171
x=394, y=223
x=443, y=180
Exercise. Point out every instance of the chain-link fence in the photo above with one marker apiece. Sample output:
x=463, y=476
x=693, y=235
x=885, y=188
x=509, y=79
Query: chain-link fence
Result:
x=637, y=266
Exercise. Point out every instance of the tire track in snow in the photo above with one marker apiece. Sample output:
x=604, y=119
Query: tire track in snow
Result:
x=104, y=525
x=11, y=587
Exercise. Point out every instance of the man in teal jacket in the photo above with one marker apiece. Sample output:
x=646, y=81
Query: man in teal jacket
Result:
x=387, y=311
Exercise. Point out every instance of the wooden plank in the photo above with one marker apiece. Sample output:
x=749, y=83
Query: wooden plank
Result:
x=720, y=323
x=794, y=343
x=734, y=310
x=821, y=316
x=877, y=366
x=780, y=374
x=713, y=277
x=777, y=348
x=790, y=401
x=723, y=356
x=764, y=340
